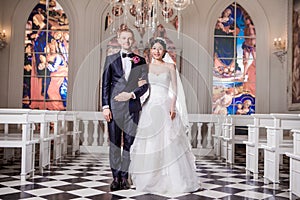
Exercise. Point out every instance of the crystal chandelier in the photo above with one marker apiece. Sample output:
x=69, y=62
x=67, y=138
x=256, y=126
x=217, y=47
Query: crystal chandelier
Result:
x=148, y=13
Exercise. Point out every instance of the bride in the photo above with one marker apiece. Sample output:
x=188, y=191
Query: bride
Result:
x=161, y=157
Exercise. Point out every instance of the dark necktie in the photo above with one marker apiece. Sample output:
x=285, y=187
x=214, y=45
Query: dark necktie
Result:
x=124, y=55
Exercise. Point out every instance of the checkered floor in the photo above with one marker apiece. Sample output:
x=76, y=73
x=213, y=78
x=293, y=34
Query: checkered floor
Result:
x=88, y=177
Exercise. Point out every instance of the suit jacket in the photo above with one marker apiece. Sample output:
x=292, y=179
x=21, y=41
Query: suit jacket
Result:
x=114, y=82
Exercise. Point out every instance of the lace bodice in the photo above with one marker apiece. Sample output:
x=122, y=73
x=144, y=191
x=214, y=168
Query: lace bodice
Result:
x=159, y=83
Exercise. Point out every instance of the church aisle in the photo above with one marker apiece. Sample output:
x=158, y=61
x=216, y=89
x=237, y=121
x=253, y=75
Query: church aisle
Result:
x=88, y=177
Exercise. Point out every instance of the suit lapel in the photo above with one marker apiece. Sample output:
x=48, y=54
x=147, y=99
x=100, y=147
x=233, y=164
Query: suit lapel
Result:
x=132, y=67
x=119, y=63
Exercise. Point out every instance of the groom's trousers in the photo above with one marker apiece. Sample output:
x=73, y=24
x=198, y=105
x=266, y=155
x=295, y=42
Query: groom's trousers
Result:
x=122, y=124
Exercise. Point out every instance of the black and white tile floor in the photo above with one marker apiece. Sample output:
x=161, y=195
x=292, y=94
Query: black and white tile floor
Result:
x=88, y=177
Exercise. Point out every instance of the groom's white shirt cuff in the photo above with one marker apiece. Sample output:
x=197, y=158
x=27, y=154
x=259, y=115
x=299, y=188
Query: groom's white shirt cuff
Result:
x=105, y=107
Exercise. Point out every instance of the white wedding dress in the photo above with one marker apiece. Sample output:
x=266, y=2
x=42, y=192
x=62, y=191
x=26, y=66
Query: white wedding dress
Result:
x=161, y=157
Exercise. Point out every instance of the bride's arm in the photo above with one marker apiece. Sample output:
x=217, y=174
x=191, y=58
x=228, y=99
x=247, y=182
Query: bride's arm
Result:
x=174, y=90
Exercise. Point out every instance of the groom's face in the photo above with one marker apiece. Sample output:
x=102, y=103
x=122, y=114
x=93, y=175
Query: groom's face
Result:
x=126, y=40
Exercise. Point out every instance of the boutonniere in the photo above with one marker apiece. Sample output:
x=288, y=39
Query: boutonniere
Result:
x=135, y=59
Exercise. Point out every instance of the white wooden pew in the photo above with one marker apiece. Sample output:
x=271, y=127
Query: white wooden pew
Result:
x=276, y=146
x=74, y=134
x=295, y=164
x=43, y=118
x=57, y=144
x=62, y=131
x=217, y=136
x=256, y=138
x=9, y=152
x=26, y=142
x=229, y=137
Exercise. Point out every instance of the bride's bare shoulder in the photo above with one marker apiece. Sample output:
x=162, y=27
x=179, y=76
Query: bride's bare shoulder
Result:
x=171, y=66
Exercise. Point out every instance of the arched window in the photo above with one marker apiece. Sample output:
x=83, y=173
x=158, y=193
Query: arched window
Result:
x=46, y=57
x=234, y=71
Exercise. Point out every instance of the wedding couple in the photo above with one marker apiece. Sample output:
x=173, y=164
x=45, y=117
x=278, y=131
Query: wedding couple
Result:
x=156, y=151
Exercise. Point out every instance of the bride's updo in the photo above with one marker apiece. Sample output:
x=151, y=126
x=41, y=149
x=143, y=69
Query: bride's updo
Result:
x=161, y=41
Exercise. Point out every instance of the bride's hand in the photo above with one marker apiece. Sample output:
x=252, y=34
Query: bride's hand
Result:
x=141, y=82
x=172, y=114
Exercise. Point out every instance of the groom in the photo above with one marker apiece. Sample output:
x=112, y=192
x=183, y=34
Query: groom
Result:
x=121, y=104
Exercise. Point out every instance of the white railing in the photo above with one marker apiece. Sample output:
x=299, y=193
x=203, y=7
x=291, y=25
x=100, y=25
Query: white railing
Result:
x=202, y=133
x=90, y=133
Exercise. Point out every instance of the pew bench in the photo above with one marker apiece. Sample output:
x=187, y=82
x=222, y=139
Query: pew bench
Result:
x=71, y=120
x=230, y=136
x=26, y=141
x=295, y=164
x=41, y=120
x=257, y=137
x=277, y=145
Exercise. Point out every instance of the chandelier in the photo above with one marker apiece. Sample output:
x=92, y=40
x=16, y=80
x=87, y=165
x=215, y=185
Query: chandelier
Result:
x=148, y=13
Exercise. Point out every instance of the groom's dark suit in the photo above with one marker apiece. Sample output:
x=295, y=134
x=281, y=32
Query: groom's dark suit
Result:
x=125, y=115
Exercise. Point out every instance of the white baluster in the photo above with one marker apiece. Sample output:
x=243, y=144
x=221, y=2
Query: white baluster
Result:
x=199, y=136
x=95, y=135
x=86, y=132
x=75, y=144
x=105, y=134
x=209, y=138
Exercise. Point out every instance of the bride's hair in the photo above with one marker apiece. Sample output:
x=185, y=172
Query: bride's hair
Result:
x=161, y=41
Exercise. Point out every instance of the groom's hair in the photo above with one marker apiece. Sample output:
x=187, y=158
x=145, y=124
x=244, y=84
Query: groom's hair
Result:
x=124, y=28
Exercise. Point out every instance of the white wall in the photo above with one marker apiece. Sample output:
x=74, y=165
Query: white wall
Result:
x=269, y=16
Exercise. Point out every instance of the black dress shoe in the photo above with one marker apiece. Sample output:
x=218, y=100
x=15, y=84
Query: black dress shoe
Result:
x=115, y=185
x=124, y=185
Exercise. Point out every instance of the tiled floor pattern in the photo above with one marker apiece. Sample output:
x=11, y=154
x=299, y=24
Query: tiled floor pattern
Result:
x=88, y=176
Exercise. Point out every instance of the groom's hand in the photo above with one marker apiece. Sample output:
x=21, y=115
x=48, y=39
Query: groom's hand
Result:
x=107, y=114
x=123, y=96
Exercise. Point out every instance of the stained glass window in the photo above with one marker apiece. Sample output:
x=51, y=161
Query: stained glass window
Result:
x=46, y=52
x=234, y=70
